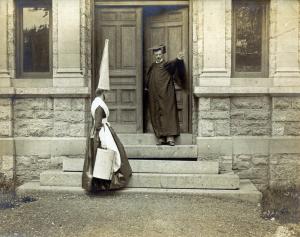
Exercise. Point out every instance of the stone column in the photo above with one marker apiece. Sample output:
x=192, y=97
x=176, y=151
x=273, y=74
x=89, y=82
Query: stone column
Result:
x=4, y=69
x=287, y=71
x=66, y=37
x=215, y=72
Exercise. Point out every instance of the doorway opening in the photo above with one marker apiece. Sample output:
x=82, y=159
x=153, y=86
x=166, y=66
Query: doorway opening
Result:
x=132, y=31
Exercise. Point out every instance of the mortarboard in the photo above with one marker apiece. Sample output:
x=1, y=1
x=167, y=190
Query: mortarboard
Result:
x=158, y=47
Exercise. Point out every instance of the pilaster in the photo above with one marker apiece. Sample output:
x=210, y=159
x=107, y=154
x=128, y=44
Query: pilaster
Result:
x=66, y=37
x=287, y=71
x=215, y=72
x=4, y=66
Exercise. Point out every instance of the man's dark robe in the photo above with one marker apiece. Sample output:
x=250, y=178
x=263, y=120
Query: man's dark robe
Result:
x=120, y=178
x=162, y=97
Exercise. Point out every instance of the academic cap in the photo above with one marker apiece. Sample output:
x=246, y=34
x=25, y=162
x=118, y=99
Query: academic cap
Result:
x=158, y=47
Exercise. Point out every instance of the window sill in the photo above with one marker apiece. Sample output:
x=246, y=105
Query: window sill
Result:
x=83, y=92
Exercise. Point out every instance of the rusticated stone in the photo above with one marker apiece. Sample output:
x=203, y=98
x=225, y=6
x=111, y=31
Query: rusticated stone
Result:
x=5, y=129
x=43, y=114
x=250, y=103
x=260, y=160
x=215, y=115
x=286, y=116
x=222, y=128
x=69, y=116
x=24, y=114
x=5, y=113
x=237, y=115
x=278, y=128
x=77, y=130
x=261, y=131
x=238, y=131
x=257, y=115
x=220, y=104
x=292, y=129
x=204, y=104
x=34, y=128
x=206, y=128
x=78, y=104
x=281, y=103
x=61, y=129
x=31, y=104
x=5, y=102
x=295, y=103
x=62, y=104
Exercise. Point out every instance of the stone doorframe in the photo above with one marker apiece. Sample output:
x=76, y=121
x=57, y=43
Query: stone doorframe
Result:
x=132, y=3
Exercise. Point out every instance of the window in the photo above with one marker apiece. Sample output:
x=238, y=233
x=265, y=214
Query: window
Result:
x=33, y=38
x=250, y=44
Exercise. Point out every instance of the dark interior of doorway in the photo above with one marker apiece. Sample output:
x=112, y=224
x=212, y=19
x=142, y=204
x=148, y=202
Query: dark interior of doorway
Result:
x=152, y=11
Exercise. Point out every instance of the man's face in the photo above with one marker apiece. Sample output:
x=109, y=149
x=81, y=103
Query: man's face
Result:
x=158, y=55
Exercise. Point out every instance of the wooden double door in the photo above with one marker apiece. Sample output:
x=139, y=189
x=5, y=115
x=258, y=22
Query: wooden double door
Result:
x=131, y=32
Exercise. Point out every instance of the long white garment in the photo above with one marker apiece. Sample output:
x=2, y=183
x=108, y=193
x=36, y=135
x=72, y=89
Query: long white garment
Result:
x=105, y=135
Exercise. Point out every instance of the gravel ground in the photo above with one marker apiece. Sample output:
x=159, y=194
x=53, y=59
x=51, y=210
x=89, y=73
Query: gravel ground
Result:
x=134, y=215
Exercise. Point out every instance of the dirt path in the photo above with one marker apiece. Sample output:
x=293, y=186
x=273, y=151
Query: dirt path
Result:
x=134, y=215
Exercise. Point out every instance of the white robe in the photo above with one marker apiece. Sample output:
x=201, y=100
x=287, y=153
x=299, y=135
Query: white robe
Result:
x=105, y=135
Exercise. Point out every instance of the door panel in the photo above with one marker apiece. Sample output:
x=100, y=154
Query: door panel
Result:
x=170, y=28
x=123, y=27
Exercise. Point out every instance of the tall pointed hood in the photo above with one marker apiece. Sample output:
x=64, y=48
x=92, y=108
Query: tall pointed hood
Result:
x=103, y=83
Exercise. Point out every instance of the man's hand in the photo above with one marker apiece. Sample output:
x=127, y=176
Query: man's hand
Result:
x=180, y=56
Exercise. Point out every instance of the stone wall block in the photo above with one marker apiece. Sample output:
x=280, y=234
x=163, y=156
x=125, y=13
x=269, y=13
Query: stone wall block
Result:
x=286, y=116
x=204, y=104
x=62, y=104
x=5, y=129
x=222, y=128
x=206, y=128
x=292, y=129
x=78, y=130
x=62, y=129
x=69, y=116
x=220, y=104
x=34, y=128
x=261, y=131
x=43, y=114
x=296, y=103
x=5, y=113
x=5, y=102
x=282, y=103
x=250, y=103
x=78, y=104
x=237, y=115
x=24, y=114
x=215, y=115
x=31, y=104
x=257, y=115
x=278, y=128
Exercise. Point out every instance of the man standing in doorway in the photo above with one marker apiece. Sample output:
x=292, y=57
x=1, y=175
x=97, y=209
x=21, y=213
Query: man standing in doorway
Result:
x=160, y=85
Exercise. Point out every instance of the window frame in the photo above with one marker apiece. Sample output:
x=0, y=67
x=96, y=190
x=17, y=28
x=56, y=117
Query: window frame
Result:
x=20, y=4
x=264, y=73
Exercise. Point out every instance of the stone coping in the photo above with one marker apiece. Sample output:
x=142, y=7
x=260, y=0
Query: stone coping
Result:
x=221, y=91
x=45, y=92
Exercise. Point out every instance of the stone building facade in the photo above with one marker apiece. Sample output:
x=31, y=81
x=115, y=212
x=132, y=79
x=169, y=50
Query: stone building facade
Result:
x=250, y=124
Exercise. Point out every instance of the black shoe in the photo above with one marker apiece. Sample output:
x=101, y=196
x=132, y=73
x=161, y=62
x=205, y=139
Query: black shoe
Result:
x=171, y=143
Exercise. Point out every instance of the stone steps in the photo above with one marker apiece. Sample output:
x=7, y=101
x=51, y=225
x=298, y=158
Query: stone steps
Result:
x=246, y=192
x=159, y=152
x=150, y=180
x=156, y=166
x=150, y=139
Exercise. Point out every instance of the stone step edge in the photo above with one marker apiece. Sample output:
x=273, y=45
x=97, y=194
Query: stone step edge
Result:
x=145, y=180
x=203, y=167
x=247, y=191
